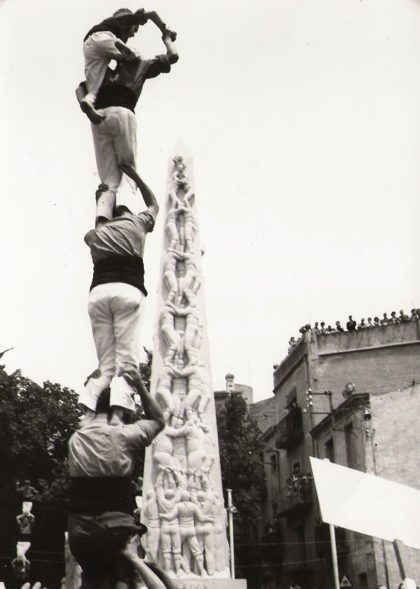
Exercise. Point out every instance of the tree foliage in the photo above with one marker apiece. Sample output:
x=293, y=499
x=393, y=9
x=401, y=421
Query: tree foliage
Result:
x=35, y=425
x=240, y=449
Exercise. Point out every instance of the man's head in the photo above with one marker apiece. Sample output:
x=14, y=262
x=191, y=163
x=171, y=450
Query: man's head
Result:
x=126, y=31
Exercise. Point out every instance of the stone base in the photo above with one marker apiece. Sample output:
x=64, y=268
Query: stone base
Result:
x=208, y=583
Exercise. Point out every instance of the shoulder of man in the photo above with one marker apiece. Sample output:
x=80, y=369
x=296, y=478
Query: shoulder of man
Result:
x=158, y=65
x=142, y=432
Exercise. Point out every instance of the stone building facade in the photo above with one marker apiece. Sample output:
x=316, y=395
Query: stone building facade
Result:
x=370, y=426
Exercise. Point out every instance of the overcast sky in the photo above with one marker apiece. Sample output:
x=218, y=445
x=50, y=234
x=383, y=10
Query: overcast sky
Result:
x=302, y=119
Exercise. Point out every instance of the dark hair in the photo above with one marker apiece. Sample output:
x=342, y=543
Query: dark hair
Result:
x=122, y=11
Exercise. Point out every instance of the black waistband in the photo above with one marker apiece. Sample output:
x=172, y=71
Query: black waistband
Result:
x=116, y=95
x=99, y=494
x=127, y=269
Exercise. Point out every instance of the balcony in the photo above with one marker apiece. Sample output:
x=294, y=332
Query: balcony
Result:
x=297, y=495
x=289, y=431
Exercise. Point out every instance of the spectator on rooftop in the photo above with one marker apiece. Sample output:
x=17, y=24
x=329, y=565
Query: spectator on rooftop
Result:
x=403, y=317
x=385, y=320
x=369, y=323
x=362, y=324
x=376, y=321
x=351, y=324
x=394, y=319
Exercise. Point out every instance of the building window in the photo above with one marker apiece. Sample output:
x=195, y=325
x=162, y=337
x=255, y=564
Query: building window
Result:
x=273, y=461
x=274, y=508
x=291, y=398
x=329, y=450
x=363, y=583
x=350, y=449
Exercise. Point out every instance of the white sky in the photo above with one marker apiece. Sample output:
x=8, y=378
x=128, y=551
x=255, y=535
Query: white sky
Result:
x=302, y=118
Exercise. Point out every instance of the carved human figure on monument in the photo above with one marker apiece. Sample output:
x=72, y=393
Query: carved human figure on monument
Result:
x=163, y=449
x=170, y=403
x=189, y=226
x=205, y=530
x=151, y=519
x=193, y=334
x=194, y=431
x=168, y=494
x=172, y=338
x=171, y=219
x=188, y=284
x=198, y=396
x=187, y=514
x=170, y=275
x=114, y=135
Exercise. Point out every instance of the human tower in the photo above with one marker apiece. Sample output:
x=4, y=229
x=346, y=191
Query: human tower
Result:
x=183, y=508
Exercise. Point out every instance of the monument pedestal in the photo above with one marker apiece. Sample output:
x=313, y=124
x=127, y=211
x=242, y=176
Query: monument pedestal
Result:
x=209, y=583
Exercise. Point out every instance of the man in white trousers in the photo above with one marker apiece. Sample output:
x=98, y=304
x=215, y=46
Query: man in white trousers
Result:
x=115, y=136
x=115, y=298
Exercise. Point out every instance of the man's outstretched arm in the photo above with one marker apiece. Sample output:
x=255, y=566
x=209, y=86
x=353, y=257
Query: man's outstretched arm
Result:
x=151, y=580
x=151, y=408
x=155, y=18
x=148, y=196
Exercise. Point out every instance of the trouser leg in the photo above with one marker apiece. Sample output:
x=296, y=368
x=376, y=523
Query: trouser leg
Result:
x=101, y=319
x=126, y=309
x=106, y=161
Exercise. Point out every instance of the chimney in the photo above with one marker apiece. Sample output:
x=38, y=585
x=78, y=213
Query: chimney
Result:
x=229, y=383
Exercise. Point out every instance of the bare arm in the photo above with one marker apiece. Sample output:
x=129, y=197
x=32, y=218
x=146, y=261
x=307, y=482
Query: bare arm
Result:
x=162, y=575
x=151, y=408
x=182, y=312
x=155, y=18
x=151, y=580
x=81, y=91
x=171, y=51
x=148, y=196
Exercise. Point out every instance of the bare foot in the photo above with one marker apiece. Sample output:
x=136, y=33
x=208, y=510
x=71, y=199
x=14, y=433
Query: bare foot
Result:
x=94, y=117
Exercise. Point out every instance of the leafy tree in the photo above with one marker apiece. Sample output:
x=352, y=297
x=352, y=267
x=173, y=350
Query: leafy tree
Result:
x=146, y=368
x=240, y=447
x=242, y=471
x=35, y=424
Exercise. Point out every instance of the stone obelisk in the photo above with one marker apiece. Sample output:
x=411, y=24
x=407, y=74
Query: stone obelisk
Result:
x=183, y=505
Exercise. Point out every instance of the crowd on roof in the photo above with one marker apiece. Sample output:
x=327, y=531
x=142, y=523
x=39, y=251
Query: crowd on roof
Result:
x=352, y=325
